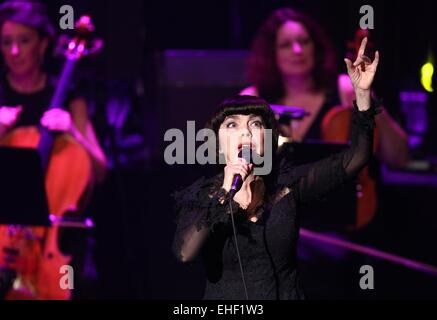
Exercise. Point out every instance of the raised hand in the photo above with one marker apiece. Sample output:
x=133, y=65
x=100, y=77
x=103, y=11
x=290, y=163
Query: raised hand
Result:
x=362, y=71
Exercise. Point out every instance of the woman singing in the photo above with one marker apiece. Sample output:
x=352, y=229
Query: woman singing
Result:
x=265, y=209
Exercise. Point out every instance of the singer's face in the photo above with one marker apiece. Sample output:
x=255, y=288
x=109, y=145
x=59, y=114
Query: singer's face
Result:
x=240, y=130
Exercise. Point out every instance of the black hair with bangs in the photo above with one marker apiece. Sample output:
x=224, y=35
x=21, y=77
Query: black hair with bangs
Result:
x=247, y=105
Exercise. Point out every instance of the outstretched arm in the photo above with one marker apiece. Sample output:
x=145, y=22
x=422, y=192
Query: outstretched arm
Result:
x=393, y=140
x=330, y=173
x=322, y=177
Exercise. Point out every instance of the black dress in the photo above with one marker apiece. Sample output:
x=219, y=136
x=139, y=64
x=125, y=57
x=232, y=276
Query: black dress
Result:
x=267, y=247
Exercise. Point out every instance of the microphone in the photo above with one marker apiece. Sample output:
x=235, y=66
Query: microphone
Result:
x=246, y=154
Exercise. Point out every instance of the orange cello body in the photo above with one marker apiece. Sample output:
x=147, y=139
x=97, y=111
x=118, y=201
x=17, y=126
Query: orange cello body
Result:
x=335, y=128
x=39, y=259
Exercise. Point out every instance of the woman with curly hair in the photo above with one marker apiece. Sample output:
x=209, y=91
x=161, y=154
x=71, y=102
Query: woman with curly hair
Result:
x=293, y=63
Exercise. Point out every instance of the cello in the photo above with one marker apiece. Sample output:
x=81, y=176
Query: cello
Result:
x=33, y=252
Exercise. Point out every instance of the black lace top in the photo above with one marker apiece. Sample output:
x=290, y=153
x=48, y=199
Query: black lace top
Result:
x=268, y=246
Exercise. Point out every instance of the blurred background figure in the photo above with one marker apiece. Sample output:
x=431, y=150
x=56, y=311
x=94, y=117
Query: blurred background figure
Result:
x=26, y=90
x=294, y=63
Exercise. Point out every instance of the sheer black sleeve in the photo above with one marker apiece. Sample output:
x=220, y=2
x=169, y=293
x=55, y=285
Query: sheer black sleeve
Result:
x=314, y=181
x=200, y=208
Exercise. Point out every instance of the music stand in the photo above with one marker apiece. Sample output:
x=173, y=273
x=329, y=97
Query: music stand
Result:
x=23, y=199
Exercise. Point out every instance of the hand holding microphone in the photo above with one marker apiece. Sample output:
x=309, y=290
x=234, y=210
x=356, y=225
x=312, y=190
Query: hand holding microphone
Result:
x=236, y=175
x=8, y=117
x=236, y=172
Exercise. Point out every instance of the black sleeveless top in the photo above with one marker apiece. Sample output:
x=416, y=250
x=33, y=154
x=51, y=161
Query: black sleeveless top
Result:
x=314, y=132
x=34, y=104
